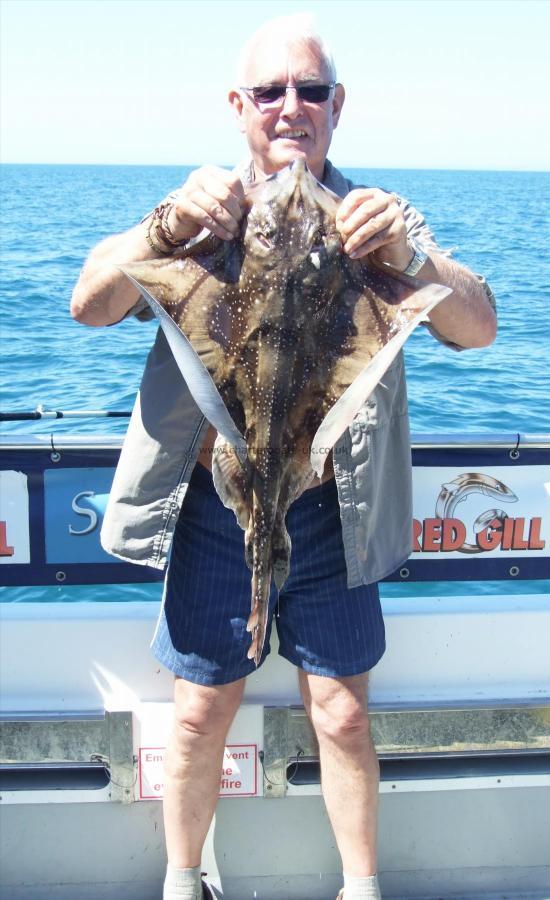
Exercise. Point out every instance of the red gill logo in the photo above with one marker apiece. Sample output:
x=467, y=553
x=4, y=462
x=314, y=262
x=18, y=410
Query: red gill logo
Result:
x=491, y=529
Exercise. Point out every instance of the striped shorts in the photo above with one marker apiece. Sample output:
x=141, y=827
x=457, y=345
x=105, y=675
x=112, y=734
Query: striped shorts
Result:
x=323, y=626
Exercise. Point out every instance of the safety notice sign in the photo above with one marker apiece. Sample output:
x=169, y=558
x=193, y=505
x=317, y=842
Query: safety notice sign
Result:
x=238, y=778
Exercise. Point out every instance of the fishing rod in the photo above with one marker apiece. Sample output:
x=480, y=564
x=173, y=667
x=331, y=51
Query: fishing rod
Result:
x=41, y=413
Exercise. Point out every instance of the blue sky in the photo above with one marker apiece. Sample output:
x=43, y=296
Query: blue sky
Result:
x=430, y=83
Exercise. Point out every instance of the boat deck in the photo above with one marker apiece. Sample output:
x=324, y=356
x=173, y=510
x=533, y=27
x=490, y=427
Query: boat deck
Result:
x=459, y=703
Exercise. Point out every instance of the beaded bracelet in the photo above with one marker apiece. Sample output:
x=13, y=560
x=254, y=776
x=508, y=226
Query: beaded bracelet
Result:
x=159, y=235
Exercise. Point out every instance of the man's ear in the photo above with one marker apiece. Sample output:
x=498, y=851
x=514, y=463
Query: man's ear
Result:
x=337, y=102
x=236, y=101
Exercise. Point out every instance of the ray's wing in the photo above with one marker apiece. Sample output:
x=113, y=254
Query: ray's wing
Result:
x=196, y=299
x=378, y=310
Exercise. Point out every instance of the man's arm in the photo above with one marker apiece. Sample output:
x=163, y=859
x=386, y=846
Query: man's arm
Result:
x=103, y=295
x=466, y=317
x=210, y=198
x=373, y=221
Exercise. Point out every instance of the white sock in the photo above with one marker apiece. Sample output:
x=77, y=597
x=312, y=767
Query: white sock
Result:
x=365, y=888
x=182, y=884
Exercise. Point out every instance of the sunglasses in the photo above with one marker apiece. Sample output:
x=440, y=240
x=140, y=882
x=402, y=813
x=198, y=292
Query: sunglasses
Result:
x=271, y=94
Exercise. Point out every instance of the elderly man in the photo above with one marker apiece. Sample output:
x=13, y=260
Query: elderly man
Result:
x=287, y=104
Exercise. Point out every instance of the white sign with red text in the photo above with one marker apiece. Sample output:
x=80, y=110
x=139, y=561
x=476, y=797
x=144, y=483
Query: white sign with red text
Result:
x=500, y=510
x=14, y=518
x=238, y=778
x=239, y=775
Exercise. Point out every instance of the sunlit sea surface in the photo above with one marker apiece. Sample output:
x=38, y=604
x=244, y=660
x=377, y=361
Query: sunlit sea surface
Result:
x=53, y=215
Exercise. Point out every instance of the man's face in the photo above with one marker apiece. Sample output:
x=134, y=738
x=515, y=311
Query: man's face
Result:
x=292, y=127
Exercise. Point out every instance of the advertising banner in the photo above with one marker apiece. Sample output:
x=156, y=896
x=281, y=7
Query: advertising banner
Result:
x=74, y=506
x=495, y=510
x=51, y=509
x=14, y=519
x=479, y=513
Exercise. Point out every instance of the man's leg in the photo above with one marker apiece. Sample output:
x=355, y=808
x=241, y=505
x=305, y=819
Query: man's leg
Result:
x=193, y=765
x=350, y=772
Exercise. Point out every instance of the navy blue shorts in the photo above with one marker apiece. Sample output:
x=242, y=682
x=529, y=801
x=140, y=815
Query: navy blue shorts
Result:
x=324, y=627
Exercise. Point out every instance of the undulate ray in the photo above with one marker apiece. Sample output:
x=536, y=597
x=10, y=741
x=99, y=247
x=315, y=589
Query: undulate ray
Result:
x=281, y=338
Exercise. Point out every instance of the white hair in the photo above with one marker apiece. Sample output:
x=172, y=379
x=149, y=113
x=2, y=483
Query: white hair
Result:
x=288, y=30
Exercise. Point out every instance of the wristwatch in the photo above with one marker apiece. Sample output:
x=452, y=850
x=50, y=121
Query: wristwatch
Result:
x=418, y=260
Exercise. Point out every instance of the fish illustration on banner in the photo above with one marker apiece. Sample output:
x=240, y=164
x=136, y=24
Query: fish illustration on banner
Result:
x=281, y=338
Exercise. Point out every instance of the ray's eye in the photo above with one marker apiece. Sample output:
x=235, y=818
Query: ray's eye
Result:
x=264, y=240
x=318, y=239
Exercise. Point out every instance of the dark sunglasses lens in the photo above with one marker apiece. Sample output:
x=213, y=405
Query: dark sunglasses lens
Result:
x=314, y=93
x=268, y=94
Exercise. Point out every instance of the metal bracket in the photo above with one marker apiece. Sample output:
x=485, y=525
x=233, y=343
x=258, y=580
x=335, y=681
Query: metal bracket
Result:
x=121, y=756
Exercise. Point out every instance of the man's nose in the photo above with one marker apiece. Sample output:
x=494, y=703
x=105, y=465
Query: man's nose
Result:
x=291, y=103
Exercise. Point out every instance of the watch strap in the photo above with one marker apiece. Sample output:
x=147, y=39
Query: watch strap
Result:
x=419, y=258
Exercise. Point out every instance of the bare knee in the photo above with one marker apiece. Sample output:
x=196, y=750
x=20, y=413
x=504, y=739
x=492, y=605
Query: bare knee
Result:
x=340, y=722
x=204, y=711
x=338, y=710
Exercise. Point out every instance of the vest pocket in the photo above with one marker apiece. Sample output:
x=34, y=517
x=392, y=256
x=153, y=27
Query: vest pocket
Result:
x=389, y=399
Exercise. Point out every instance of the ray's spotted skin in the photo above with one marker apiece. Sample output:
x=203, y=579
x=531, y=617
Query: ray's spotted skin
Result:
x=281, y=338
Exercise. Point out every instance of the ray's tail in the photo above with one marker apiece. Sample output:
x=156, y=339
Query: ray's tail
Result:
x=268, y=555
x=260, y=557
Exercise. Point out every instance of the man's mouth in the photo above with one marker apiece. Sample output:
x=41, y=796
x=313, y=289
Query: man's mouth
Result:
x=292, y=134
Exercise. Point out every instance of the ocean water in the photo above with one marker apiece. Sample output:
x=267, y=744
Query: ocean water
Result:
x=53, y=215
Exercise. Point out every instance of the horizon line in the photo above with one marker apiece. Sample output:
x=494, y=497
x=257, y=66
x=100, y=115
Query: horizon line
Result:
x=229, y=166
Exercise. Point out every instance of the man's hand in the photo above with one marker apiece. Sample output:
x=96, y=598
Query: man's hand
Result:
x=371, y=221
x=211, y=198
